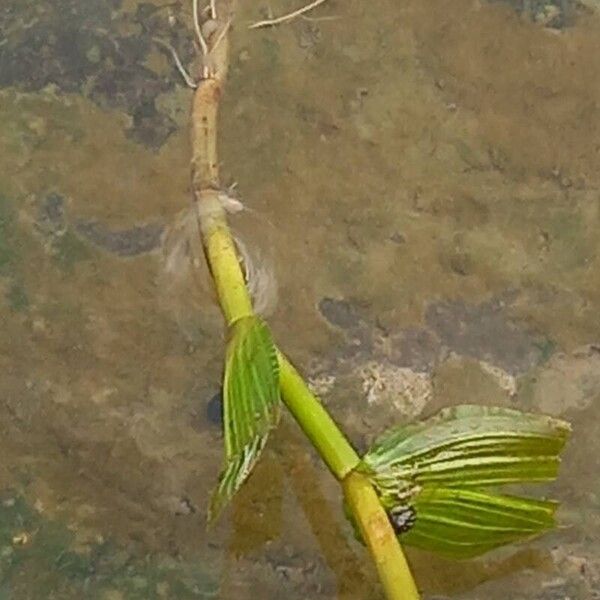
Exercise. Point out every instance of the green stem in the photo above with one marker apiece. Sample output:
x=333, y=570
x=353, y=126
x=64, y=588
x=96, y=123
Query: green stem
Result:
x=316, y=422
x=376, y=531
x=222, y=259
x=362, y=499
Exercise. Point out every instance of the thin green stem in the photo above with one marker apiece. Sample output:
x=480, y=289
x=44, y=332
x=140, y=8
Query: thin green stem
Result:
x=315, y=421
x=222, y=258
x=380, y=538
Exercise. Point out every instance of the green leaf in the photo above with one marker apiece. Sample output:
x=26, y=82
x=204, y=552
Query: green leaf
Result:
x=468, y=446
x=251, y=404
x=461, y=523
x=430, y=476
x=251, y=385
x=237, y=469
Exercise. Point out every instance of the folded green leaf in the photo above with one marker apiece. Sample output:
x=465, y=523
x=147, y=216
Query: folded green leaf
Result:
x=236, y=471
x=468, y=446
x=251, y=404
x=430, y=475
x=251, y=385
x=460, y=523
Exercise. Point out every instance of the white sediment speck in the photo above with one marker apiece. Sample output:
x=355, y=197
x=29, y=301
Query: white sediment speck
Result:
x=504, y=379
x=321, y=385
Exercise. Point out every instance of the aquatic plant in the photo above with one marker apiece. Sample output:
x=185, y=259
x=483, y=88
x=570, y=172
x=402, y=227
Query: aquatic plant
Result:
x=424, y=483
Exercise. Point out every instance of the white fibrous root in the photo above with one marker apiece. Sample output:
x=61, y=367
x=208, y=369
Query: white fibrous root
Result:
x=260, y=279
x=184, y=263
x=258, y=270
x=230, y=204
x=182, y=248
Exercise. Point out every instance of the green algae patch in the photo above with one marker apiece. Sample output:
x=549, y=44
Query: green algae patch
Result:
x=38, y=560
x=70, y=250
x=14, y=289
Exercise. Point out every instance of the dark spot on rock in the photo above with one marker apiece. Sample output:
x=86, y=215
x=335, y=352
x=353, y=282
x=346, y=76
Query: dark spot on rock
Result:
x=459, y=263
x=415, y=348
x=145, y=10
x=485, y=332
x=359, y=345
x=340, y=313
x=149, y=126
x=184, y=507
x=17, y=297
x=214, y=409
x=124, y=242
x=51, y=218
x=554, y=14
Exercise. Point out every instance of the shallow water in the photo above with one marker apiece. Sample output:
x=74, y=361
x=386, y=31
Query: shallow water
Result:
x=426, y=176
